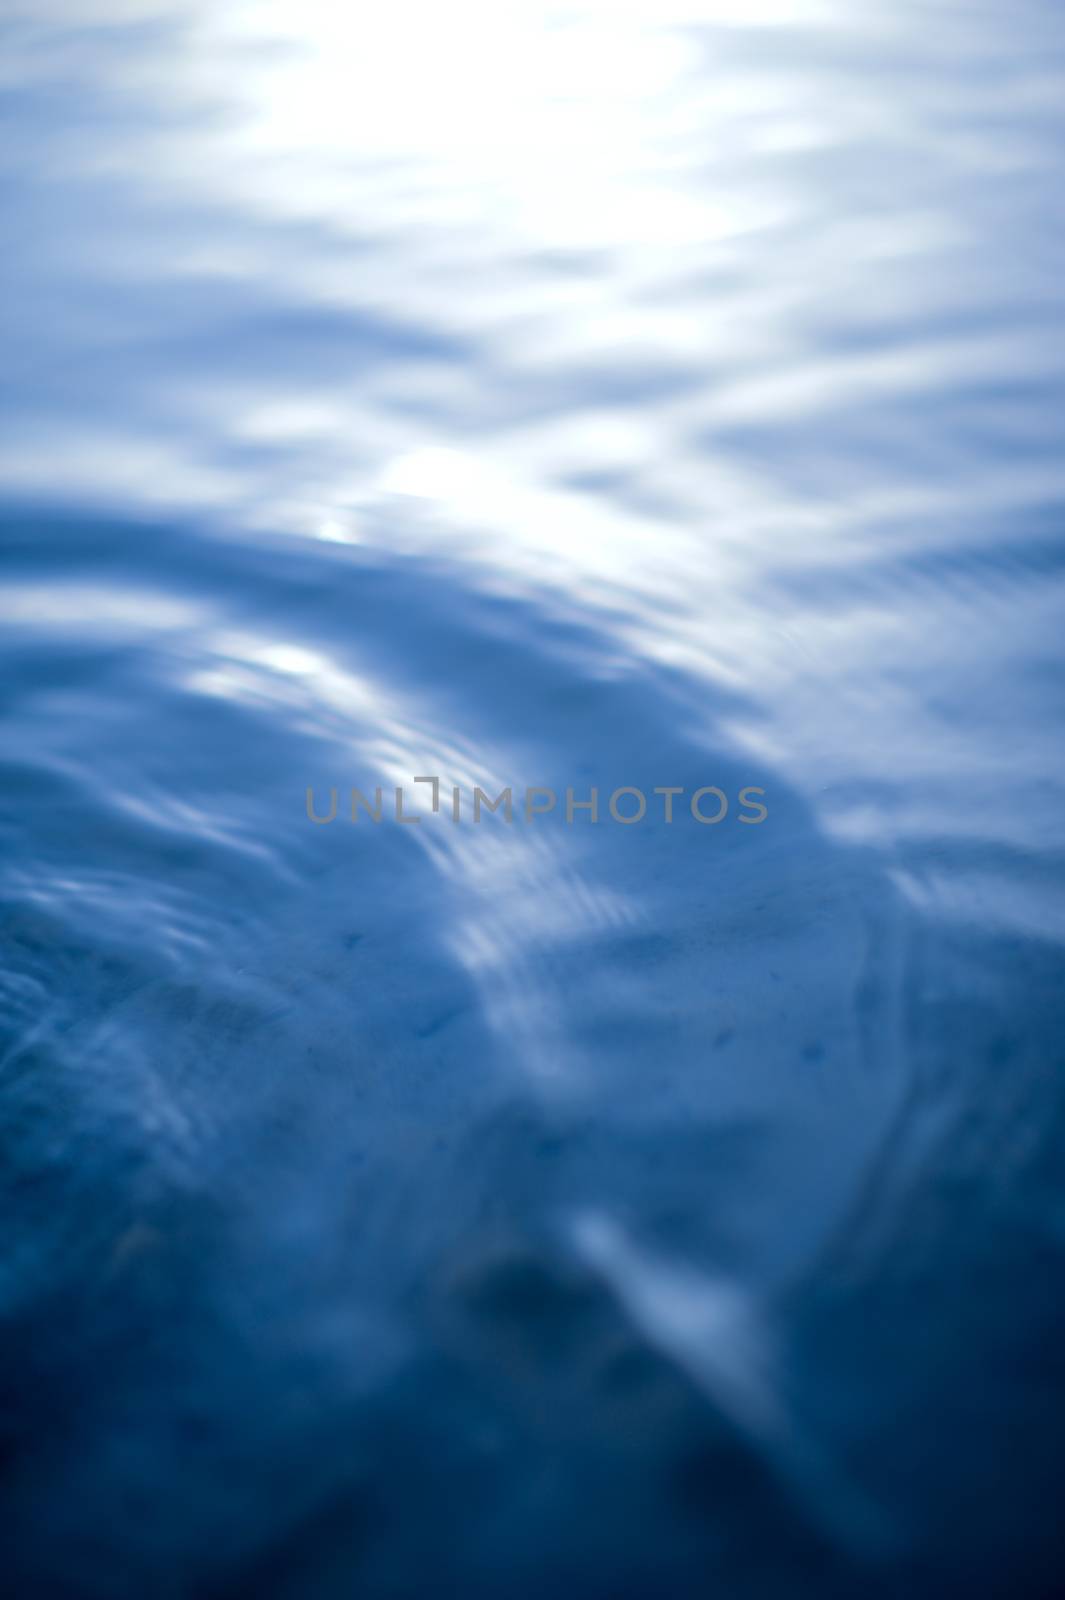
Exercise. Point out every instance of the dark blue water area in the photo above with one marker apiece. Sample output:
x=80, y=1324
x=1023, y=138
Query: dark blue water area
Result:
x=503, y=1207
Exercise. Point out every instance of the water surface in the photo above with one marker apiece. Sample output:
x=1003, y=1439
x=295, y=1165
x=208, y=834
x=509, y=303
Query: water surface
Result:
x=558, y=395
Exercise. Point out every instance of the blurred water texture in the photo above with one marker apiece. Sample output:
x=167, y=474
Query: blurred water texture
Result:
x=646, y=393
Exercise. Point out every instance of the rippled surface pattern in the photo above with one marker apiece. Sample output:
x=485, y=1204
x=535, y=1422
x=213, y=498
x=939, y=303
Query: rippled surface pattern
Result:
x=654, y=393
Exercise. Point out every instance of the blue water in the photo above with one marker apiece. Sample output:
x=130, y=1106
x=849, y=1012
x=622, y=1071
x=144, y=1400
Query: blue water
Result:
x=657, y=394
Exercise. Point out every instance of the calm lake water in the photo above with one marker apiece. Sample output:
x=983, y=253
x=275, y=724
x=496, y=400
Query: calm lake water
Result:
x=654, y=394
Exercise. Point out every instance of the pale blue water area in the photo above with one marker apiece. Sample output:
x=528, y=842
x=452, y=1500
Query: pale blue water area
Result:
x=630, y=395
